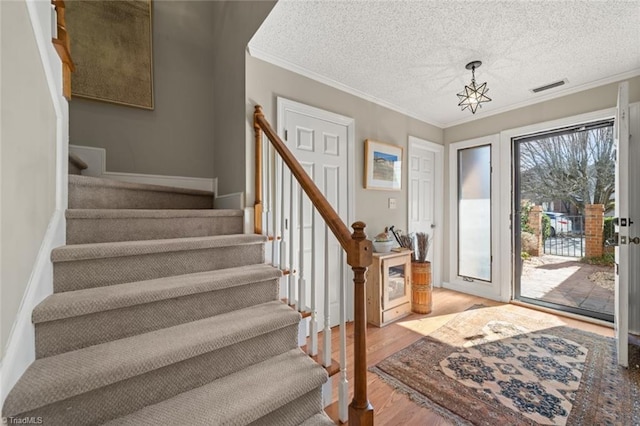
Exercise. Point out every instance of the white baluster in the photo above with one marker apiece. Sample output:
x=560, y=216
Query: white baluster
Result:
x=292, y=230
x=265, y=186
x=326, y=350
x=301, y=284
x=273, y=205
x=283, y=229
x=313, y=326
x=343, y=386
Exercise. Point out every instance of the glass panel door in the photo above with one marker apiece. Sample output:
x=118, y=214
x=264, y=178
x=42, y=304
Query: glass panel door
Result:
x=397, y=288
x=563, y=201
x=395, y=273
x=474, y=213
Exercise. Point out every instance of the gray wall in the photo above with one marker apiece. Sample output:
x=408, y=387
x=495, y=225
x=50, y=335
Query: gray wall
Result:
x=265, y=82
x=28, y=159
x=235, y=23
x=176, y=138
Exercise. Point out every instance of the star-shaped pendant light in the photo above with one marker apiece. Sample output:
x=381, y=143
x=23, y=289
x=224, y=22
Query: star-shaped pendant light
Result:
x=473, y=95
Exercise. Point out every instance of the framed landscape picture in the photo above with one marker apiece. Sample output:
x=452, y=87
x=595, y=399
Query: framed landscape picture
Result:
x=382, y=166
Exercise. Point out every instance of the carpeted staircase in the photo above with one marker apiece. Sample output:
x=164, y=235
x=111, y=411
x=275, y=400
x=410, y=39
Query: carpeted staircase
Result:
x=164, y=313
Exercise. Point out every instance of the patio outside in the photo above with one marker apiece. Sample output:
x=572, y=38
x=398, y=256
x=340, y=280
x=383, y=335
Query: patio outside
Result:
x=567, y=281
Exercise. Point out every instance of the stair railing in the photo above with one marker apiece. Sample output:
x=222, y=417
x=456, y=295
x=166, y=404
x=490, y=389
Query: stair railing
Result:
x=62, y=44
x=274, y=185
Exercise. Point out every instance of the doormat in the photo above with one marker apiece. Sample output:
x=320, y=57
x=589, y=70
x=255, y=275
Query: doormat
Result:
x=492, y=366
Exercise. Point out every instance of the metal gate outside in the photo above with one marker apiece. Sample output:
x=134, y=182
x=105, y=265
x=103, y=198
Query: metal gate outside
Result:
x=569, y=239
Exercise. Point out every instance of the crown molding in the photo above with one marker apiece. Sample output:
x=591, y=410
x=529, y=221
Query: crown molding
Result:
x=282, y=63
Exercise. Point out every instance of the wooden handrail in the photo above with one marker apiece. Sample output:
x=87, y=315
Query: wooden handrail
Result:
x=62, y=44
x=359, y=256
x=327, y=212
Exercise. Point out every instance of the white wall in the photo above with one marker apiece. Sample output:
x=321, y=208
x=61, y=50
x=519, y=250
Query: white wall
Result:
x=265, y=82
x=33, y=172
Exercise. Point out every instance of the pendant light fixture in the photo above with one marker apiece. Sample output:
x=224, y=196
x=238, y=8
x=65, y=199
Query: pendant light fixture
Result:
x=473, y=95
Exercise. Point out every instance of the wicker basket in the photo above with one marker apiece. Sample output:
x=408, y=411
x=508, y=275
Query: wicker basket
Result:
x=421, y=289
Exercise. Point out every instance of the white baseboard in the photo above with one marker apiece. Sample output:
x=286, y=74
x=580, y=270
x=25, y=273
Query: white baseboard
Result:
x=248, y=220
x=327, y=392
x=96, y=160
x=20, y=351
x=229, y=201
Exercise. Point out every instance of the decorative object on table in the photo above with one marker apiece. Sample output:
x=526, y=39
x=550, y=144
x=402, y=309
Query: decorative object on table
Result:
x=421, y=288
x=382, y=243
x=499, y=365
x=382, y=166
x=473, y=95
x=112, y=50
x=405, y=241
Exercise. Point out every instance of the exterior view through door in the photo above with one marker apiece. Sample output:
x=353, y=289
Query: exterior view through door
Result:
x=563, y=201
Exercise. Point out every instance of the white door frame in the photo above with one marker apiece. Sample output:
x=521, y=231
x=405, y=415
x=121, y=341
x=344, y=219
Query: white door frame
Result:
x=506, y=255
x=284, y=105
x=438, y=210
x=622, y=210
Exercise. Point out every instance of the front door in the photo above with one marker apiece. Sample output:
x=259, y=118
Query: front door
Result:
x=624, y=226
x=320, y=141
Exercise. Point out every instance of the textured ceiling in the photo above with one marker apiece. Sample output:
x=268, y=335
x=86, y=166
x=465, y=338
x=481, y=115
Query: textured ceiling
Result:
x=411, y=55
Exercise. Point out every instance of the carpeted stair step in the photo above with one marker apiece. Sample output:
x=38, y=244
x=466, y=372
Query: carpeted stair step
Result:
x=114, y=379
x=320, y=419
x=241, y=398
x=77, y=319
x=76, y=164
x=86, y=226
x=86, y=192
x=82, y=266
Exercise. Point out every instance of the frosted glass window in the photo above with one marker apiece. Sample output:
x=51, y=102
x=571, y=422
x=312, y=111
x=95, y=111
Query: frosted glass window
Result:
x=474, y=213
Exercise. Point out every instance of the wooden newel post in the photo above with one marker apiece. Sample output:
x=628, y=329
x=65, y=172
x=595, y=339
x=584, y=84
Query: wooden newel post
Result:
x=257, y=208
x=359, y=258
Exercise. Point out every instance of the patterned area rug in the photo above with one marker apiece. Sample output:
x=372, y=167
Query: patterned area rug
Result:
x=495, y=367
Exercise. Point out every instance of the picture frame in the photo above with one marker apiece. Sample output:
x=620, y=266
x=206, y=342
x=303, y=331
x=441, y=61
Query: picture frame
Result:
x=382, y=166
x=112, y=48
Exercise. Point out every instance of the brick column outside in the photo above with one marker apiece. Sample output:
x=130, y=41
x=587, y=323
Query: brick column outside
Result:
x=535, y=223
x=594, y=229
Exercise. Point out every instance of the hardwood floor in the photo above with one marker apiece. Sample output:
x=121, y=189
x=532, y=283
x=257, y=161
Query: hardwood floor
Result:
x=393, y=408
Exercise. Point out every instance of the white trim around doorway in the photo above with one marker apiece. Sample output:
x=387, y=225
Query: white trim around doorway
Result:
x=506, y=255
x=439, y=234
x=284, y=105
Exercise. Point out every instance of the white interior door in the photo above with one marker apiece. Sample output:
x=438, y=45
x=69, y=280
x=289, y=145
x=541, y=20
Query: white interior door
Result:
x=621, y=315
x=425, y=197
x=320, y=140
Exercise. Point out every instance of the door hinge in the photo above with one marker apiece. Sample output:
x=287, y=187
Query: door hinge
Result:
x=286, y=135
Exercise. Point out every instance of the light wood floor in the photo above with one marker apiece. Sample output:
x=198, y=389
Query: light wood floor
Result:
x=391, y=407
